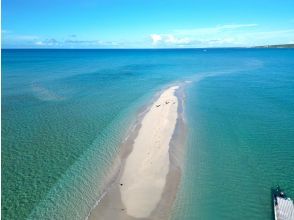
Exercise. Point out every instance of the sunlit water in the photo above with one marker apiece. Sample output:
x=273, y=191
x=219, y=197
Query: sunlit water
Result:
x=65, y=113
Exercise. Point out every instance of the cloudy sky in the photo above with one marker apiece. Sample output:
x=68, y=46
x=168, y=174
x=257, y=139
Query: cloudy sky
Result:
x=145, y=23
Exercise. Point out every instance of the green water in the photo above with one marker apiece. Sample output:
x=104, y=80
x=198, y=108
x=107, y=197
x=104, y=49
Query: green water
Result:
x=240, y=145
x=65, y=113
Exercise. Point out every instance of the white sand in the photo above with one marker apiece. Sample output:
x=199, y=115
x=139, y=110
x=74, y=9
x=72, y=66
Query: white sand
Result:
x=144, y=175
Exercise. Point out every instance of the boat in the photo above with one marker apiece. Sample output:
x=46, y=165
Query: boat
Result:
x=283, y=205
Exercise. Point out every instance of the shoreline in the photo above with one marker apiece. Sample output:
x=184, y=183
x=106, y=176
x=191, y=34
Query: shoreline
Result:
x=115, y=202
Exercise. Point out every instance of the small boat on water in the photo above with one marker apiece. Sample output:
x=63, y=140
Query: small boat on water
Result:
x=283, y=205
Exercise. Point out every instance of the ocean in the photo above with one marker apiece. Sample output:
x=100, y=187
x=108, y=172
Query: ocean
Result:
x=65, y=113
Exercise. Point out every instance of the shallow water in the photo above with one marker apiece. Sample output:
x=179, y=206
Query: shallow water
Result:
x=64, y=113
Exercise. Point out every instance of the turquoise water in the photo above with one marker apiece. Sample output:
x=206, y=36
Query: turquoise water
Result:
x=64, y=113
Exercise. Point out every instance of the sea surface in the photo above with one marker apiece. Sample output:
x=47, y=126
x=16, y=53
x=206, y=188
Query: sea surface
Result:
x=65, y=113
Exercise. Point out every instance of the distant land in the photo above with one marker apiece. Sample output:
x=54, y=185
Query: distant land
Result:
x=277, y=46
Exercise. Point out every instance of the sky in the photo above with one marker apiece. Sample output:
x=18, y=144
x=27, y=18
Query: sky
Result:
x=146, y=23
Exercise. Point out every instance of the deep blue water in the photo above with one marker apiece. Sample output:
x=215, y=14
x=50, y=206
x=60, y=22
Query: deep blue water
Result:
x=65, y=112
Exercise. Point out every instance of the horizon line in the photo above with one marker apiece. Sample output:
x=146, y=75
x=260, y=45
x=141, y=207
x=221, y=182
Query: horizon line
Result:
x=142, y=48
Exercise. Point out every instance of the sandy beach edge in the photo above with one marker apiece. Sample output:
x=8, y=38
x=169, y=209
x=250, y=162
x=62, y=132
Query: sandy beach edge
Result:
x=110, y=205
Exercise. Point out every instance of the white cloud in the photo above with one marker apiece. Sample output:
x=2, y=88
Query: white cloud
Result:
x=213, y=30
x=74, y=43
x=16, y=37
x=11, y=39
x=155, y=38
x=3, y=31
x=235, y=26
x=228, y=35
x=210, y=36
x=174, y=40
x=169, y=39
x=39, y=43
x=274, y=33
x=47, y=42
